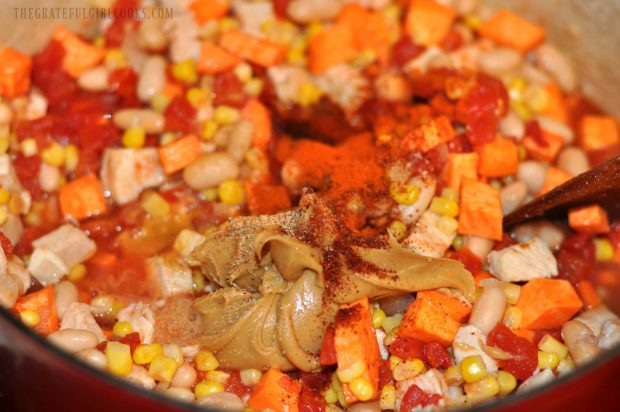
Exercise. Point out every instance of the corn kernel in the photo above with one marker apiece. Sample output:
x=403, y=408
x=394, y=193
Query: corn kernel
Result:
x=404, y=194
x=30, y=318
x=364, y=58
x=174, y=352
x=144, y=354
x=134, y=137
x=155, y=205
x=361, y=388
x=392, y=322
x=521, y=152
x=167, y=138
x=521, y=110
x=604, y=250
x=482, y=390
x=507, y=382
x=257, y=159
x=4, y=215
x=337, y=386
x=516, y=88
x=254, y=87
x=198, y=282
x=226, y=115
x=185, y=71
x=162, y=368
x=29, y=147
x=72, y=157
x=453, y=375
x=122, y=328
x=378, y=316
x=354, y=371
x=387, y=401
x=53, y=155
x=250, y=377
x=390, y=336
x=330, y=396
x=448, y=225
x=119, y=358
x=77, y=272
x=535, y=97
x=206, y=361
x=547, y=360
x=296, y=56
x=243, y=71
x=209, y=128
x=196, y=96
x=5, y=195
x=227, y=23
x=450, y=193
x=551, y=345
x=512, y=292
x=473, y=369
x=495, y=184
x=99, y=41
x=408, y=369
x=384, y=137
x=394, y=361
x=513, y=317
x=308, y=94
x=313, y=29
x=206, y=388
x=231, y=192
x=473, y=21
x=218, y=376
x=397, y=229
x=444, y=207
x=457, y=243
x=209, y=194
x=115, y=59
x=160, y=102
x=5, y=142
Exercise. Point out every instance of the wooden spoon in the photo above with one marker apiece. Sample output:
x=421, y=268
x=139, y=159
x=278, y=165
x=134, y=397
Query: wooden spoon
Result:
x=599, y=185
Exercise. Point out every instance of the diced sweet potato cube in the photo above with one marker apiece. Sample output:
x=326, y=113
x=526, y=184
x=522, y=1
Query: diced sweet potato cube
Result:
x=275, y=391
x=428, y=22
x=452, y=306
x=481, y=210
x=425, y=137
x=498, y=158
x=15, y=69
x=330, y=47
x=264, y=199
x=509, y=29
x=545, y=151
x=460, y=165
x=82, y=198
x=79, y=55
x=426, y=320
x=554, y=178
x=589, y=219
x=547, y=303
x=598, y=132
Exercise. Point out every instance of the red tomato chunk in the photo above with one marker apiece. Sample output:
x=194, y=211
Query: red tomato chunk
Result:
x=524, y=354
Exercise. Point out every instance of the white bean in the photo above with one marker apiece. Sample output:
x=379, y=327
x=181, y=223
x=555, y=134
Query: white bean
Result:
x=512, y=196
x=93, y=357
x=6, y=114
x=512, y=126
x=210, y=169
x=240, y=140
x=149, y=120
x=488, y=309
x=499, y=60
x=184, y=377
x=224, y=401
x=140, y=377
x=365, y=407
x=9, y=289
x=74, y=340
x=66, y=293
x=393, y=87
x=308, y=11
x=533, y=74
x=573, y=160
x=152, y=78
x=151, y=36
x=94, y=80
x=479, y=246
x=49, y=177
x=395, y=304
x=533, y=174
x=182, y=394
x=580, y=340
x=549, y=233
x=553, y=61
x=557, y=128
x=16, y=267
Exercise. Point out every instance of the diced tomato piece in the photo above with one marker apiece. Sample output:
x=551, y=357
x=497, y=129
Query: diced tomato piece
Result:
x=467, y=258
x=6, y=244
x=180, y=115
x=614, y=234
x=328, y=348
x=576, y=258
x=407, y=348
x=27, y=169
x=279, y=8
x=311, y=401
x=452, y=41
x=132, y=339
x=524, y=359
x=124, y=82
x=317, y=381
x=506, y=241
x=436, y=356
x=405, y=50
x=385, y=373
x=417, y=397
x=235, y=385
x=228, y=90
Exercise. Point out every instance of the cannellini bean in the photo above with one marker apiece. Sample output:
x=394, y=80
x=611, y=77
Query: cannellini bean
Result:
x=152, y=78
x=365, y=407
x=573, y=160
x=553, y=61
x=549, y=233
x=557, y=128
x=610, y=334
x=488, y=309
x=49, y=177
x=512, y=125
x=240, y=140
x=224, y=401
x=93, y=357
x=184, y=377
x=140, y=377
x=395, y=304
x=580, y=340
x=16, y=268
x=182, y=394
x=74, y=340
x=533, y=174
x=533, y=74
x=464, y=7
x=210, y=169
x=151, y=36
x=479, y=246
x=149, y=120
x=94, y=80
x=308, y=11
x=66, y=293
x=9, y=290
x=393, y=87
x=6, y=114
x=512, y=196
x=499, y=60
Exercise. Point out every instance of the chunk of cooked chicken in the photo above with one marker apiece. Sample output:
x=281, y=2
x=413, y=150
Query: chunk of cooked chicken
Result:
x=69, y=243
x=78, y=316
x=174, y=277
x=427, y=239
x=141, y=318
x=468, y=342
x=187, y=241
x=522, y=262
x=47, y=266
x=431, y=382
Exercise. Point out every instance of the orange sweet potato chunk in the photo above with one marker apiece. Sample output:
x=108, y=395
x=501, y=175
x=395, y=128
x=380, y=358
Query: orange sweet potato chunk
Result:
x=498, y=158
x=425, y=319
x=428, y=22
x=588, y=219
x=423, y=138
x=554, y=178
x=275, y=391
x=509, y=29
x=547, y=303
x=460, y=165
x=545, y=151
x=452, y=306
x=598, y=132
x=481, y=210
x=15, y=69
